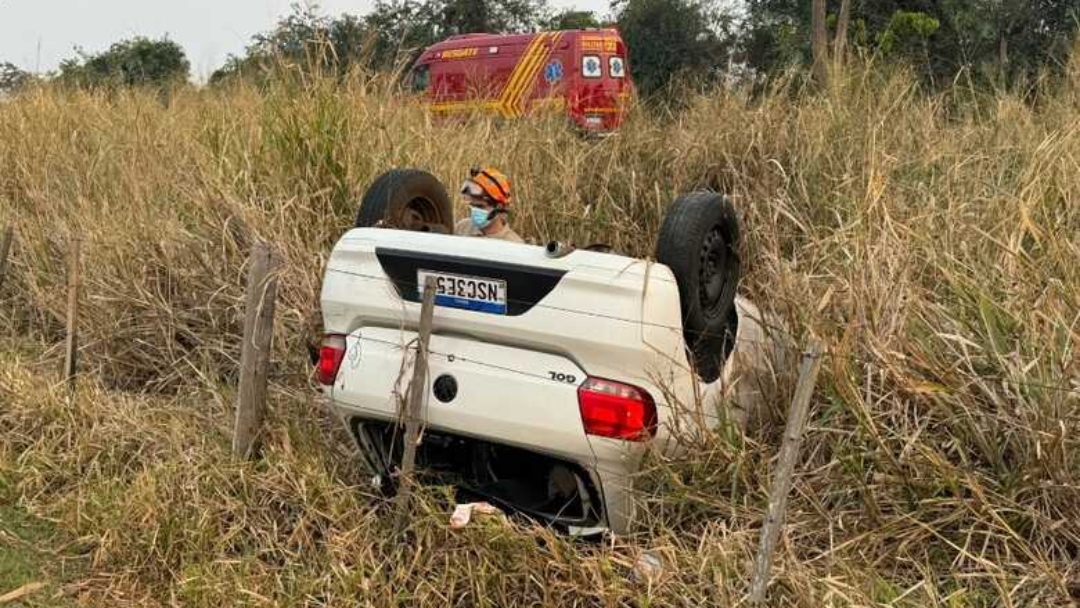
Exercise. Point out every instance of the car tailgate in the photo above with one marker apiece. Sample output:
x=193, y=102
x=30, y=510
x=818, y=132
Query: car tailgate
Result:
x=518, y=397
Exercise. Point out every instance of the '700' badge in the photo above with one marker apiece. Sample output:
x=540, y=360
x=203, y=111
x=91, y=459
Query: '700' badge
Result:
x=561, y=377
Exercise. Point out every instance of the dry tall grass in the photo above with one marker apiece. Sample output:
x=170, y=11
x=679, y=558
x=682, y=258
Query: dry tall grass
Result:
x=932, y=240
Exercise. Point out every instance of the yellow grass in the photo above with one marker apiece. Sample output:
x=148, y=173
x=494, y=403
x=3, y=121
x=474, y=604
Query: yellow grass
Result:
x=931, y=240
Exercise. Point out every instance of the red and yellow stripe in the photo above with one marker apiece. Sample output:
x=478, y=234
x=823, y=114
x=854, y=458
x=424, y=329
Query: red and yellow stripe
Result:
x=511, y=100
x=523, y=79
x=518, y=77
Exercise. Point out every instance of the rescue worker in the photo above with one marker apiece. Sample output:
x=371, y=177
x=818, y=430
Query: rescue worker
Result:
x=487, y=191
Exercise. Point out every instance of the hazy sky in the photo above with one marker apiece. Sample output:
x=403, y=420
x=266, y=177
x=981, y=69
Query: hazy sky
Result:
x=37, y=34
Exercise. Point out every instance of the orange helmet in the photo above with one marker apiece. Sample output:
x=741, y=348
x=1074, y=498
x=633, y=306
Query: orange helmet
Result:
x=488, y=184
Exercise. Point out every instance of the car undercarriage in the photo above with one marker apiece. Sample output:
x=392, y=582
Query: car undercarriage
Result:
x=557, y=491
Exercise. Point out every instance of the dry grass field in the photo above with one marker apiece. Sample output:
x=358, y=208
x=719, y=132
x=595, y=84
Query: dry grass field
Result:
x=932, y=240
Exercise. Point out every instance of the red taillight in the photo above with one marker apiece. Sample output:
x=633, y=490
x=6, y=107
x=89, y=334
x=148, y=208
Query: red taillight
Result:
x=330, y=356
x=614, y=409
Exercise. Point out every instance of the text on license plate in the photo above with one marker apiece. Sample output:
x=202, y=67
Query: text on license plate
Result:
x=461, y=291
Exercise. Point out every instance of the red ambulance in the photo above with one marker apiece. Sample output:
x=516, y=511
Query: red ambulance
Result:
x=582, y=73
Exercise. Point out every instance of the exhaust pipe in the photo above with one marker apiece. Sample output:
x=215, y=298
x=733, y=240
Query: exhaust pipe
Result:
x=557, y=249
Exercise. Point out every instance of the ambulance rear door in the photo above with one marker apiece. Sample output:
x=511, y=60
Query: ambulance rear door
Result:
x=602, y=82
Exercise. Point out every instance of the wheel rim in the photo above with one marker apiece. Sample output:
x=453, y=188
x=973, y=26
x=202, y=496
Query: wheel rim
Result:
x=712, y=273
x=418, y=213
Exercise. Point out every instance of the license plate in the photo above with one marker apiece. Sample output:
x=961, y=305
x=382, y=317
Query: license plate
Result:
x=461, y=291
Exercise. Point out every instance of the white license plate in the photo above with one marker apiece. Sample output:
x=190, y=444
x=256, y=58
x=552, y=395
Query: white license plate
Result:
x=461, y=291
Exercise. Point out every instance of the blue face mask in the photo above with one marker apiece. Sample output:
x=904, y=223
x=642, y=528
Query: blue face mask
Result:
x=480, y=217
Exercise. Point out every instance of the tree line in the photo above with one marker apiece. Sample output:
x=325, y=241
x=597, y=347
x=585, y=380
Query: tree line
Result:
x=698, y=42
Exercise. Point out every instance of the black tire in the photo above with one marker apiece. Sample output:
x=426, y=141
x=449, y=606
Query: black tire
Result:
x=699, y=241
x=409, y=199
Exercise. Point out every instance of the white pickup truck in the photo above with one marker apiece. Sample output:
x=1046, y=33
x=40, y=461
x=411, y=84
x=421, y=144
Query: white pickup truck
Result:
x=550, y=372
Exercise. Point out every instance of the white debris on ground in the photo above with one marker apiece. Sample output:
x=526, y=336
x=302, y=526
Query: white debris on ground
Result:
x=462, y=514
x=647, y=567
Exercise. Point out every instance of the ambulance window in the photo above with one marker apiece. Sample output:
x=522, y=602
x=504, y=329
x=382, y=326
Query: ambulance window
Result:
x=590, y=66
x=616, y=67
x=421, y=78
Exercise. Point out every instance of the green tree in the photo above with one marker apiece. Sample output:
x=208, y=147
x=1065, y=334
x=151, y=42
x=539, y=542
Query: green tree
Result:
x=487, y=16
x=129, y=63
x=394, y=31
x=1014, y=38
x=776, y=34
x=302, y=40
x=1009, y=38
x=404, y=27
x=688, y=39
x=908, y=33
x=571, y=19
x=12, y=79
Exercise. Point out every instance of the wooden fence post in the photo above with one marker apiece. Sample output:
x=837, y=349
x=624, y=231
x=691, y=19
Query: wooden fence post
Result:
x=417, y=390
x=5, y=249
x=785, y=467
x=71, y=345
x=255, y=351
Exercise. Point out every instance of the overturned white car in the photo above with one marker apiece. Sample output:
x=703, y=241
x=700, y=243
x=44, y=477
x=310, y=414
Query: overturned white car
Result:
x=550, y=371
